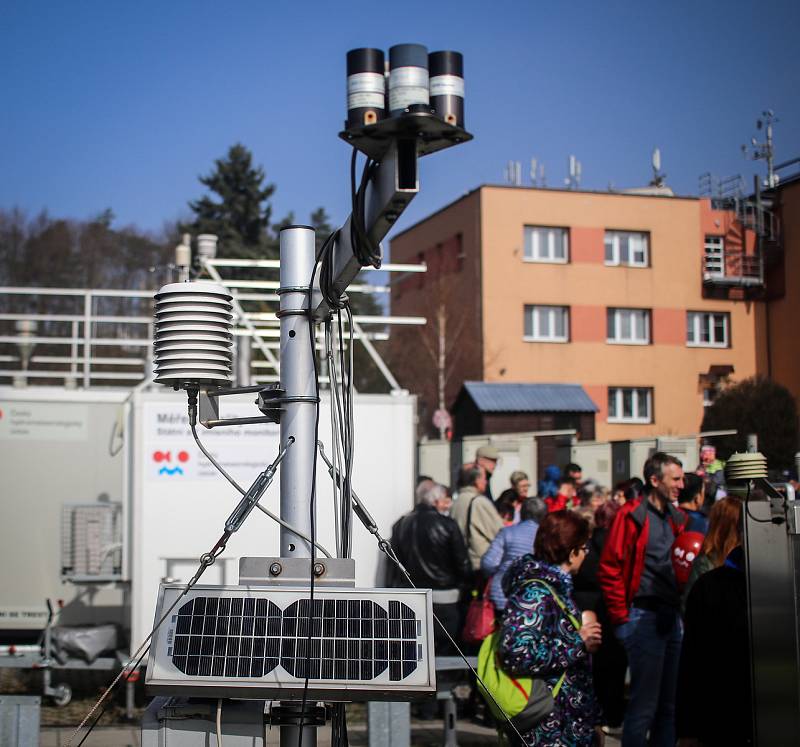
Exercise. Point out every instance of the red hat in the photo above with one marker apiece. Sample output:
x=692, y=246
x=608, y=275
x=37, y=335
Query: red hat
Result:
x=684, y=550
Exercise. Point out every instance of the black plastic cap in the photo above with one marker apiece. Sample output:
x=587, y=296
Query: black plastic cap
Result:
x=446, y=63
x=408, y=55
x=365, y=60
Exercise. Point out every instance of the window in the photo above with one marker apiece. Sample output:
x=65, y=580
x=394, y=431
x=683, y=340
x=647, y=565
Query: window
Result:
x=714, y=257
x=707, y=330
x=544, y=244
x=628, y=326
x=627, y=248
x=630, y=405
x=709, y=395
x=547, y=323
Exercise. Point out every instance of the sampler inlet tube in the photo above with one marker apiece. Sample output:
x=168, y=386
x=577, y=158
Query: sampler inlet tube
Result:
x=366, y=86
x=408, y=79
x=447, y=86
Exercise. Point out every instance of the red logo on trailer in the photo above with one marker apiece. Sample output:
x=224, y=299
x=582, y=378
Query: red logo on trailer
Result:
x=166, y=456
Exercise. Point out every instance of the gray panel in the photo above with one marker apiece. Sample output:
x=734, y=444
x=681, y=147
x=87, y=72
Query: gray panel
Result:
x=19, y=720
x=182, y=722
x=773, y=565
x=43, y=469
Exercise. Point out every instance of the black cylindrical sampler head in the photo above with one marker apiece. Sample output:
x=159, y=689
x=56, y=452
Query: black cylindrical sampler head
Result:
x=446, y=63
x=365, y=60
x=408, y=55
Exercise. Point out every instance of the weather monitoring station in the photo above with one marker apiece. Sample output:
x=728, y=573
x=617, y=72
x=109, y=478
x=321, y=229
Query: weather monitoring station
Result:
x=295, y=640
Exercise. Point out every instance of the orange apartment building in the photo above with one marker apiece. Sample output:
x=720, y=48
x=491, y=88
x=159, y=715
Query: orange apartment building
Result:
x=645, y=300
x=783, y=310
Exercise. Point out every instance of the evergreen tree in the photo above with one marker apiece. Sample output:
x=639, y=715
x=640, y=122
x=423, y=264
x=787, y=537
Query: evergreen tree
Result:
x=241, y=217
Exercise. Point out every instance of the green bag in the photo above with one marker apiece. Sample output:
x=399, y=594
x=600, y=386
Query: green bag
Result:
x=525, y=701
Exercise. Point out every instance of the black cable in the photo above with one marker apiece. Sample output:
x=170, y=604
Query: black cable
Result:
x=773, y=520
x=365, y=250
x=108, y=699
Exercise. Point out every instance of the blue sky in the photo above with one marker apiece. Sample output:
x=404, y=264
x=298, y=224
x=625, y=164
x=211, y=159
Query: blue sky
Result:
x=123, y=104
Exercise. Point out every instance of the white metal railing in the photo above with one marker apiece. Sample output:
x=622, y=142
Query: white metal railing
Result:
x=86, y=332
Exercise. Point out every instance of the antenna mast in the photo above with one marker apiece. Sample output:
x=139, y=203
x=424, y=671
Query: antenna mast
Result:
x=764, y=151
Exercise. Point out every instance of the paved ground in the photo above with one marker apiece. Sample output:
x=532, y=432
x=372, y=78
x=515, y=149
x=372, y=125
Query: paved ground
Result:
x=423, y=734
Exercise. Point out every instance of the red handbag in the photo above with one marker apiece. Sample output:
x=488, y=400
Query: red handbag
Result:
x=480, y=621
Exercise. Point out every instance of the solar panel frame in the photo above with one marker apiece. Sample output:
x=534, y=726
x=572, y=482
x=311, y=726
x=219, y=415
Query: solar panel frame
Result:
x=366, y=644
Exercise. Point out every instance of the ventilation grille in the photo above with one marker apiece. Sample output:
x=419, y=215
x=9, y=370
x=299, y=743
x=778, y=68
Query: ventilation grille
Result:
x=193, y=335
x=91, y=548
x=266, y=641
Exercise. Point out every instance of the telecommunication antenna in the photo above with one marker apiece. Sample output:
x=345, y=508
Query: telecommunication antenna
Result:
x=537, y=173
x=573, y=181
x=764, y=151
x=513, y=173
x=658, y=175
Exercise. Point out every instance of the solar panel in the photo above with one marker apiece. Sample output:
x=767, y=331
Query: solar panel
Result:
x=260, y=641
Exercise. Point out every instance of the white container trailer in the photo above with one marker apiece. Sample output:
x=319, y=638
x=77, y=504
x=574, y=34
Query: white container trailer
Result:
x=61, y=449
x=129, y=463
x=180, y=502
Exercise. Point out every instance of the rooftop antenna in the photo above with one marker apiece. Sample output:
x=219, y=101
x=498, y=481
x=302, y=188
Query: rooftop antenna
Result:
x=573, y=181
x=764, y=151
x=537, y=173
x=513, y=173
x=658, y=175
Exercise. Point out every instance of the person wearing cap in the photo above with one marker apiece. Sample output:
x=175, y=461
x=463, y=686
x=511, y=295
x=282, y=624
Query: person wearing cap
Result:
x=487, y=457
x=474, y=513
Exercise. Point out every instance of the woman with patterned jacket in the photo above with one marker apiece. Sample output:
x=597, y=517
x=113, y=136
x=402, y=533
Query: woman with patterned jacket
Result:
x=538, y=639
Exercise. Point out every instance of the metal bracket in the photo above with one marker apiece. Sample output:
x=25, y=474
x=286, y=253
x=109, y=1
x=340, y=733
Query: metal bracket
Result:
x=297, y=572
x=280, y=715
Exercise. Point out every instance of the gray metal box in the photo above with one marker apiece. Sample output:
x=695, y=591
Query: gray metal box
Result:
x=19, y=720
x=185, y=722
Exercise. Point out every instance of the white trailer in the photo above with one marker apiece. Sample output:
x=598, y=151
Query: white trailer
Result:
x=131, y=453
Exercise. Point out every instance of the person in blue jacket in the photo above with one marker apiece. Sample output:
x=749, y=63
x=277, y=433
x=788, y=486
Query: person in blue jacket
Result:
x=548, y=487
x=511, y=542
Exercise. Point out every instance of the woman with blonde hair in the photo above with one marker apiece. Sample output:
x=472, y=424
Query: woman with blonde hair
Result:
x=509, y=504
x=724, y=533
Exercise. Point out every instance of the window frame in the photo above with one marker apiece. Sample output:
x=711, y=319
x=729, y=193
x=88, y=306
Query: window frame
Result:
x=616, y=340
x=615, y=261
x=530, y=310
x=694, y=322
x=636, y=419
x=550, y=259
x=707, y=245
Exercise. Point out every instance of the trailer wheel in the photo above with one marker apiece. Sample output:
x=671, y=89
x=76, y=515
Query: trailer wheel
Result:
x=63, y=695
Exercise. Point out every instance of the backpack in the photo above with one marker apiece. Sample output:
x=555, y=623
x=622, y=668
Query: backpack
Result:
x=525, y=701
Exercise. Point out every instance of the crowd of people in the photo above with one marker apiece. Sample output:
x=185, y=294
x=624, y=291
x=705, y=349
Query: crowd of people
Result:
x=590, y=585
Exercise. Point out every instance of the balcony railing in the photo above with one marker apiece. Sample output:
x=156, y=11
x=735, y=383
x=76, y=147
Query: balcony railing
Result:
x=734, y=268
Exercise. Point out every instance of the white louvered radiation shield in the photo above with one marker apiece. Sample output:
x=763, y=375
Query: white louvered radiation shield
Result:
x=193, y=335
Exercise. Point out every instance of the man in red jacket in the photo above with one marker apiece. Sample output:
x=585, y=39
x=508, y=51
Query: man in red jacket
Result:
x=643, y=601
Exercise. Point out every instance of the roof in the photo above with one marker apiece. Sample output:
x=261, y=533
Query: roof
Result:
x=502, y=397
x=648, y=194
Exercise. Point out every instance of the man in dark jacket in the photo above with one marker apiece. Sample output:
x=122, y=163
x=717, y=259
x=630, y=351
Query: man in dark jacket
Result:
x=643, y=603
x=432, y=548
x=716, y=648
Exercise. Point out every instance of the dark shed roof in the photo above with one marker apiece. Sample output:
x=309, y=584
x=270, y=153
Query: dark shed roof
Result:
x=502, y=397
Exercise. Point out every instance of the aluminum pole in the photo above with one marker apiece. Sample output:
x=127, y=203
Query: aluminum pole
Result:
x=298, y=419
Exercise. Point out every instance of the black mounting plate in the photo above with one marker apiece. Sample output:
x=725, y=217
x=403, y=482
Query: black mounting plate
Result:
x=431, y=134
